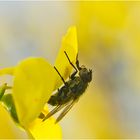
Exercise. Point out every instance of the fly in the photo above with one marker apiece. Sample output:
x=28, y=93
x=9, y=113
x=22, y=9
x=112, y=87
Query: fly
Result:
x=69, y=93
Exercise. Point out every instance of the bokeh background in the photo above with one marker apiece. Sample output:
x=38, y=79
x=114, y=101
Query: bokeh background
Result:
x=109, y=43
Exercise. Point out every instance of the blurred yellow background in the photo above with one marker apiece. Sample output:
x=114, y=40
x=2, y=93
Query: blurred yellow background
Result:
x=109, y=41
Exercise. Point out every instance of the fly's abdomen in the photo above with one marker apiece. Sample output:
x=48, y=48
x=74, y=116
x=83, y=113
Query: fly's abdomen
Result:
x=53, y=100
x=61, y=97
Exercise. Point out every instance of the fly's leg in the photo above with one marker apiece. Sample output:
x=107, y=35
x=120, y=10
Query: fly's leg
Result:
x=77, y=63
x=60, y=76
x=75, y=72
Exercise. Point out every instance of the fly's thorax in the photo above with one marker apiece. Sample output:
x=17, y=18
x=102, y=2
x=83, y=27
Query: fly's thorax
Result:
x=77, y=86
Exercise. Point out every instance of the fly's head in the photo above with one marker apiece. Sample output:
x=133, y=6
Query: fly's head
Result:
x=85, y=74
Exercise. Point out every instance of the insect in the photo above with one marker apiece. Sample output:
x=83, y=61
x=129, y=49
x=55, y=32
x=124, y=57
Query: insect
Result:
x=70, y=92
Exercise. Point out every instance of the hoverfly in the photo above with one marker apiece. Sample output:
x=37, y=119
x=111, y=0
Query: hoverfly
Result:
x=70, y=92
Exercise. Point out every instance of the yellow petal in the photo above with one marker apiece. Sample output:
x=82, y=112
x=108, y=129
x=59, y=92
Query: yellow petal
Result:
x=45, y=130
x=69, y=44
x=6, y=125
x=33, y=85
x=9, y=71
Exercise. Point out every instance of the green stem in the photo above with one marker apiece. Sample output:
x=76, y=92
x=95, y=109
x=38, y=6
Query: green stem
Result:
x=2, y=90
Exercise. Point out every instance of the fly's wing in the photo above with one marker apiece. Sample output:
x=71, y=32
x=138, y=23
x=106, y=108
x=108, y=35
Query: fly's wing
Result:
x=66, y=110
x=55, y=110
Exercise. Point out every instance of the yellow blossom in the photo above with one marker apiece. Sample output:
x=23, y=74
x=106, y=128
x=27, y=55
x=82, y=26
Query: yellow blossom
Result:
x=34, y=80
x=34, y=89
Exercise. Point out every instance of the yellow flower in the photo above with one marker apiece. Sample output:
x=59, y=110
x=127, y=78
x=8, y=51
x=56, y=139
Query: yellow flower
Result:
x=34, y=80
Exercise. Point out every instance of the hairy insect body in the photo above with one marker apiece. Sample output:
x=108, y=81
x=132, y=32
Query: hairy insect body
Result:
x=69, y=93
x=72, y=90
x=60, y=97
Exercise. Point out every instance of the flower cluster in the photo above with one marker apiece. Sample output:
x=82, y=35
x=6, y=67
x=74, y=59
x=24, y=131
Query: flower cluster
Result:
x=33, y=86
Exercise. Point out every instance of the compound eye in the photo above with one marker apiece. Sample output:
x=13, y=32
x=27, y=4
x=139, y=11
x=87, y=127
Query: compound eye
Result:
x=83, y=67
